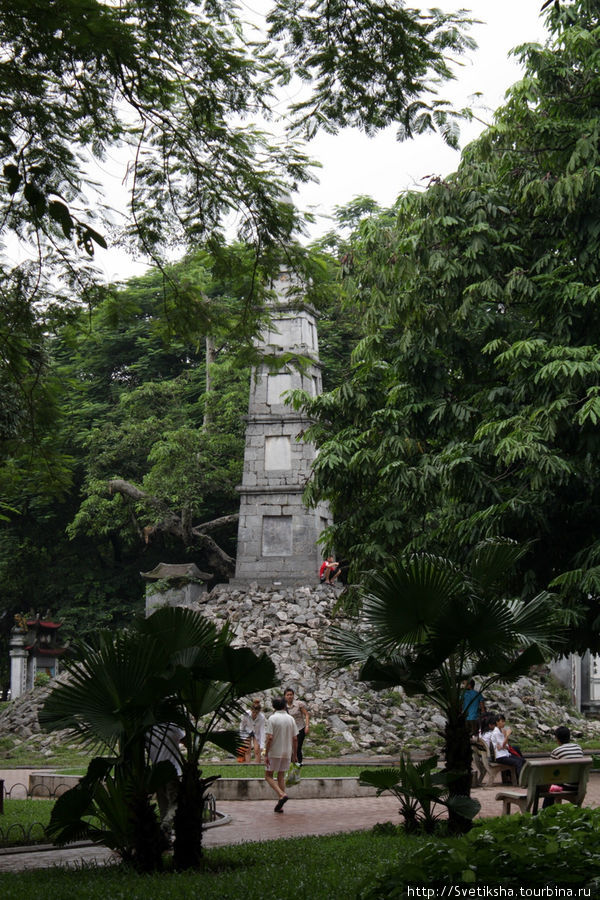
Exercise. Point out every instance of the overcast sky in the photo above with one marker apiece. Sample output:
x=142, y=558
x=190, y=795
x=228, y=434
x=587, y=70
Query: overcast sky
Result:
x=381, y=167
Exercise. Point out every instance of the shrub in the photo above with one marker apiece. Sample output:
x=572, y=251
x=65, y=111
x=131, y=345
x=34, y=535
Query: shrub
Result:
x=423, y=793
x=559, y=847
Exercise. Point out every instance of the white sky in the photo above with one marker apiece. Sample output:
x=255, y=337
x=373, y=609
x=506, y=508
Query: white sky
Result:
x=353, y=164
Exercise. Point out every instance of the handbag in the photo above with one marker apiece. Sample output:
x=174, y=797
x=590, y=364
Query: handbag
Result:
x=292, y=776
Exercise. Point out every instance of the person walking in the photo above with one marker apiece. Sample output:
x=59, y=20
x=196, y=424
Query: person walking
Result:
x=280, y=749
x=252, y=732
x=298, y=711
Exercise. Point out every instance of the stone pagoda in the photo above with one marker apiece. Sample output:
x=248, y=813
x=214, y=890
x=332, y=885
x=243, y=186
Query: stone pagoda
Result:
x=277, y=533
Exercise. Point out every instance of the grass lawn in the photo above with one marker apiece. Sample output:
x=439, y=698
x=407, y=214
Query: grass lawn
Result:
x=23, y=821
x=313, y=868
x=24, y=756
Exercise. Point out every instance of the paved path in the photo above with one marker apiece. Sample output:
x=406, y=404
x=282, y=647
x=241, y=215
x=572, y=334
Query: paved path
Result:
x=255, y=820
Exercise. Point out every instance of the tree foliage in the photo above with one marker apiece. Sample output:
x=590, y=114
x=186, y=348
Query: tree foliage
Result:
x=172, y=668
x=129, y=381
x=177, y=96
x=147, y=436
x=427, y=624
x=181, y=86
x=472, y=410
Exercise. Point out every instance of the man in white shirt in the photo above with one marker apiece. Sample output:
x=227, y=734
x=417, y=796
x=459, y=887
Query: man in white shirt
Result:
x=280, y=749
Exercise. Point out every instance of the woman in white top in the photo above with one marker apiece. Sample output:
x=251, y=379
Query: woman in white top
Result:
x=487, y=726
x=499, y=742
x=252, y=730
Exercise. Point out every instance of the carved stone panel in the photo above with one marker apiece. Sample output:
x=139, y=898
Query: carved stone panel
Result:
x=278, y=454
x=276, y=386
x=277, y=536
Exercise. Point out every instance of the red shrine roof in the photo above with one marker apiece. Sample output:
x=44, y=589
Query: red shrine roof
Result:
x=32, y=622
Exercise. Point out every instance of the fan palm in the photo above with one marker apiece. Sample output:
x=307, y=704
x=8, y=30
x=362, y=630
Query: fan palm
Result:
x=426, y=624
x=174, y=667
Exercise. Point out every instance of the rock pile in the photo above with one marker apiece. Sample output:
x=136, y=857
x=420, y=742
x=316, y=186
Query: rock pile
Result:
x=19, y=726
x=289, y=625
x=347, y=717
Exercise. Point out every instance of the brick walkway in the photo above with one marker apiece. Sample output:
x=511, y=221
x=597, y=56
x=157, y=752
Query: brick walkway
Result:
x=256, y=821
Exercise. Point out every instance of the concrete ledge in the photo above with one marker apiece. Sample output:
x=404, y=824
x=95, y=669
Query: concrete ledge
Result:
x=308, y=789
x=53, y=784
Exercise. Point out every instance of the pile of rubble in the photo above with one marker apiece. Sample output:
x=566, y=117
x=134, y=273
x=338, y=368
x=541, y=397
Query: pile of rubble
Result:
x=19, y=726
x=289, y=624
x=347, y=717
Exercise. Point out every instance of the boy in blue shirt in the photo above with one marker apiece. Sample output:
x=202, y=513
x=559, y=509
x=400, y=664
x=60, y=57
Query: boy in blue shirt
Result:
x=473, y=706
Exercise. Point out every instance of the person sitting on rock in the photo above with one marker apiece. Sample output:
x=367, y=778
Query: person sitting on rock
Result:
x=329, y=571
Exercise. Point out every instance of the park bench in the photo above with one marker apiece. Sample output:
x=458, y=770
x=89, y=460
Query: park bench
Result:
x=536, y=777
x=488, y=767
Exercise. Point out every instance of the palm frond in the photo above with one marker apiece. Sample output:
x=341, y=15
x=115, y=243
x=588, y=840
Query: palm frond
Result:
x=345, y=647
x=179, y=630
x=493, y=560
x=407, y=598
x=535, y=623
x=508, y=668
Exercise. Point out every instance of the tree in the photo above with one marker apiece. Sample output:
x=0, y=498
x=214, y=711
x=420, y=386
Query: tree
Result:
x=174, y=667
x=143, y=475
x=128, y=400
x=472, y=408
x=180, y=85
x=163, y=456
x=427, y=624
x=174, y=89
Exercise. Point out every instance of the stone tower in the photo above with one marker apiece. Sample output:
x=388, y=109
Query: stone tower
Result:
x=277, y=534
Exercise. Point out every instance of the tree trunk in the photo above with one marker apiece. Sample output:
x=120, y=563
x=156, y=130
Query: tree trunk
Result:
x=458, y=766
x=188, y=822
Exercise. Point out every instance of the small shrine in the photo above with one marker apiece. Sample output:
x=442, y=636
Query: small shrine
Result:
x=174, y=584
x=35, y=649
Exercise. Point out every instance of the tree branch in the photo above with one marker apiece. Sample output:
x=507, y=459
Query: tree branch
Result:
x=216, y=558
x=221, y=522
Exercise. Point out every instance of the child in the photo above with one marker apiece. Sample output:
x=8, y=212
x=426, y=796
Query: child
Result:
x=329, y=571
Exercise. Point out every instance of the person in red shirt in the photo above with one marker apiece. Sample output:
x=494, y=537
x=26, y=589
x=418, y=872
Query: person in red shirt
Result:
x=329, y=571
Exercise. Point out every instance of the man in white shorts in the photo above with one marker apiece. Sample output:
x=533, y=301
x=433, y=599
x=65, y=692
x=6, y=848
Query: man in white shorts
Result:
x=280, y=749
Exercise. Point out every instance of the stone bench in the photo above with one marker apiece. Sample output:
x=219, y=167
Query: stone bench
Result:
x=490, y=768
x=536, y=777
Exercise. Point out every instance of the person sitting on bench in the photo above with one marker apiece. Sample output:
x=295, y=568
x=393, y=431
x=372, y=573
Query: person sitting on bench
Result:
x=499, y=742
x=565, y=750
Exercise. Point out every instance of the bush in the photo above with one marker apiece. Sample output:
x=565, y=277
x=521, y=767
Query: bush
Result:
x=559, y=847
